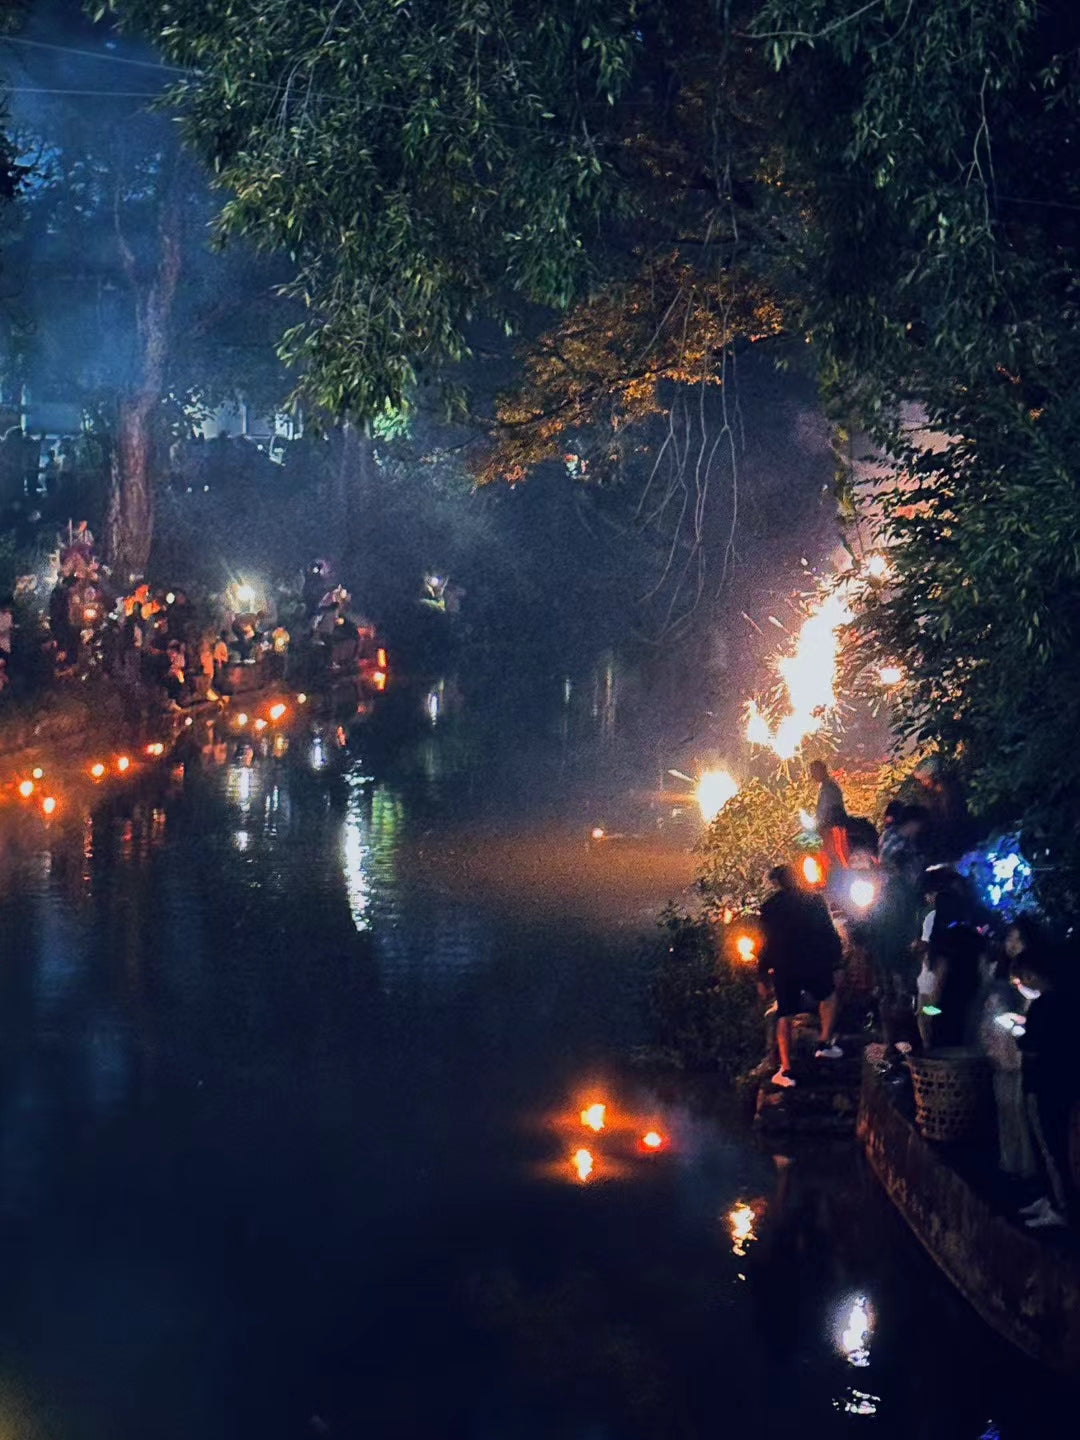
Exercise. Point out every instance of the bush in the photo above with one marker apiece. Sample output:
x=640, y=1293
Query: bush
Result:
x=706, y=1013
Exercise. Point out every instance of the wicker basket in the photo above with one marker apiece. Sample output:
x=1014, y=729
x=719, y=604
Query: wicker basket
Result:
x=952, y=1094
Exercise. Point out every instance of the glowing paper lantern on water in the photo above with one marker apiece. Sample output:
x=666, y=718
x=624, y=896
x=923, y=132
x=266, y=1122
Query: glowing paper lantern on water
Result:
x=583, y=1164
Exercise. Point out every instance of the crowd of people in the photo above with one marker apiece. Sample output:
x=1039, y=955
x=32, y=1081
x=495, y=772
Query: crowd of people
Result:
x=161, y=641
x=948, y=977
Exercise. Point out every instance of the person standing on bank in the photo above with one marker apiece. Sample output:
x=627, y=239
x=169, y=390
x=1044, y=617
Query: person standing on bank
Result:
x=800, y=951
x=830, y=814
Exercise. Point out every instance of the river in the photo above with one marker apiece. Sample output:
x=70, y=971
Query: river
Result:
x=293, y=1050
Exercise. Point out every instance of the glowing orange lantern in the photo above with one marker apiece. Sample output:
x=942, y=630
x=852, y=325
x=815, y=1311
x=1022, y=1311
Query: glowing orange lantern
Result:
x=812, y=870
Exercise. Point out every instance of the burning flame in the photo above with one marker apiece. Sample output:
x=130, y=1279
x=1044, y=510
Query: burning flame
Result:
x=583, y=1164
x=746, y=948
x=714, y=790
x=809, y=676
x=594, y=1117
x=855, y=1337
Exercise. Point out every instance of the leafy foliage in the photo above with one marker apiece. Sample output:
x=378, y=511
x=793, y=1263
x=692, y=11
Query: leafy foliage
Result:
x=941, y=254
x=413, y=160
x=705, y=1012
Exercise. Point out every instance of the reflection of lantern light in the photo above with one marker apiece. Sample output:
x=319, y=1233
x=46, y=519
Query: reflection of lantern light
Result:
x=48, y=804
x=811, y=869
x=26, y=789
x=277, y=711
x=652, y=1140
x=714, y=790
x=855, y=1336
x=594, y=1116
x=97, y=770
x=862, y=893
x=741, y=1221
x=583, y=1164
x=745, y=948
x=123, y=764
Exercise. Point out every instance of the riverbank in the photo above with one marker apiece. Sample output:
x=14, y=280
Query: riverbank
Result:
x=1026, y=1287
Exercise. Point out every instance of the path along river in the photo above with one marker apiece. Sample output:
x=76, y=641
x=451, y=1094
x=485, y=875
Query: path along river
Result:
x=292, y=1054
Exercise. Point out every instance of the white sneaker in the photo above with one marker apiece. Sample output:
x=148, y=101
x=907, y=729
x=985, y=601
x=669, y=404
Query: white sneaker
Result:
x=783, y=1079
x=829, y=1052
x=1045, y=1220
x=1037, y=1207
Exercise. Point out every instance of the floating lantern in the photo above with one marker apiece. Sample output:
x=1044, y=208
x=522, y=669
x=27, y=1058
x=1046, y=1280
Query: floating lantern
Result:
x=583, y=1164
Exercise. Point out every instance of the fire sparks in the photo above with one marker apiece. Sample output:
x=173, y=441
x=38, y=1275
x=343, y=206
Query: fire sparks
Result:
x=594, y=1117
x=584, y=1164
x=809, y=676
x=714, y=790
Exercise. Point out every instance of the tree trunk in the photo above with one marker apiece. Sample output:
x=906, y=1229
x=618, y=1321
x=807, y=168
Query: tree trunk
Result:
x=129, y=520
x=129, y=524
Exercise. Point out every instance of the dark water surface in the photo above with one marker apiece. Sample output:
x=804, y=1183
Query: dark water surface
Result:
x=291, y=1058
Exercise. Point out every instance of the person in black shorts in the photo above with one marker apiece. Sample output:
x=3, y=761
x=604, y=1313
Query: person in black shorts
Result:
x=800, y=952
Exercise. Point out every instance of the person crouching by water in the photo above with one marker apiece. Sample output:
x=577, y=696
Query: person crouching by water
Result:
x=1046, y=1043
x=800, y=951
